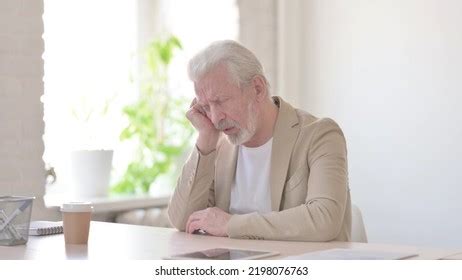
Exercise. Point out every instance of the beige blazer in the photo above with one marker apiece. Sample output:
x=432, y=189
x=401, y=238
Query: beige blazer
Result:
x=310, y=198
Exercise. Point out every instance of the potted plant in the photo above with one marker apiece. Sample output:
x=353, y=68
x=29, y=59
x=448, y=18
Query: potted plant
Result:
x=91, y=158
x=156, y=122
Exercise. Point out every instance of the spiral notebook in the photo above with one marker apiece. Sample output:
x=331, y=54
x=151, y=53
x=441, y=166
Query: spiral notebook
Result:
x=45, y=228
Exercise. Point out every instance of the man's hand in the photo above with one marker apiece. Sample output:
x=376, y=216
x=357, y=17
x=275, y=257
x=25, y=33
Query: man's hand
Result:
x=214, y=221
x=208, y=134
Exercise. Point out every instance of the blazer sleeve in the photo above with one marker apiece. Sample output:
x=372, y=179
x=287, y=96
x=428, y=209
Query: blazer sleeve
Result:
x=194, y=190
x=320, y=218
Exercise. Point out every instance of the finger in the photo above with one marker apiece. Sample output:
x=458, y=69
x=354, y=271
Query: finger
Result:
x=197, y=214
x=190, y=228
x=196, y=225
x=195, y=110
x=198, y=107
x=190, y=220
x=194, y=216
x=193, y=102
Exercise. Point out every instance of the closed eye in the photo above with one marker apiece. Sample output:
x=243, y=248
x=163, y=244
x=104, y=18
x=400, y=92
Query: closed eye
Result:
x=220, y=102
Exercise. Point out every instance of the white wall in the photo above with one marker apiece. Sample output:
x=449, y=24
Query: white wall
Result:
x=390, y=72
x=21, y=112
x=258, y=21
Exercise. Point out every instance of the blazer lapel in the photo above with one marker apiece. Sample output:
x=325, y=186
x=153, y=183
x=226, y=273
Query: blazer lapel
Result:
x=225, y=172
x=284, y=136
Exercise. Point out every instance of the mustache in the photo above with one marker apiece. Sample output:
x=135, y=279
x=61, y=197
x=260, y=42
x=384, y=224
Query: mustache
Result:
x=225, y=124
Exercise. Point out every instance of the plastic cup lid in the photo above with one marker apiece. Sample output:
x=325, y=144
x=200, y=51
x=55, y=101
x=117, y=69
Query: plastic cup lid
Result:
x=77, y=207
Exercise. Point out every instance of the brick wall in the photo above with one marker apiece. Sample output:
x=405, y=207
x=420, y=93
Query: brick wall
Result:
x=21, y=111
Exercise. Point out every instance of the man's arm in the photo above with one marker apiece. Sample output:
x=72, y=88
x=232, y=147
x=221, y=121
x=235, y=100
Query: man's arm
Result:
x=320, y=218
x=194, y=190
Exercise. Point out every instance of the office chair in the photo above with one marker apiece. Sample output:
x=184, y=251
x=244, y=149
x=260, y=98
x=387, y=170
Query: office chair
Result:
x=358, y=231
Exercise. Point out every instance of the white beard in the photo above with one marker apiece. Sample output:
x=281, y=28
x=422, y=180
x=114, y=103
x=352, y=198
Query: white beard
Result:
x=245, y=133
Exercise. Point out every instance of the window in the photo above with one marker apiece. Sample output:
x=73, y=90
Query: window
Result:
x=89, y=58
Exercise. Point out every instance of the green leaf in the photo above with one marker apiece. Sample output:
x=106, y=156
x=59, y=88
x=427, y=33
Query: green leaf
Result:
x=156, y=121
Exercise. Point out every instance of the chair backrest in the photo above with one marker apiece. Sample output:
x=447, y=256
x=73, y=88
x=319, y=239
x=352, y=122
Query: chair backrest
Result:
x=358, y=230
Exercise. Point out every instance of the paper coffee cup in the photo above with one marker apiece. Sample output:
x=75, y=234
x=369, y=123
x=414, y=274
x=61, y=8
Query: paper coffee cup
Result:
x=76, y=222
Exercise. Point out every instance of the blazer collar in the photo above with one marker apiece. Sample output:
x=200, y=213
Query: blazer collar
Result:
x=284, y=137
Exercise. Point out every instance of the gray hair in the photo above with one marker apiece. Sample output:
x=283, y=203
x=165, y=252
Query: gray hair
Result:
x=241, y=63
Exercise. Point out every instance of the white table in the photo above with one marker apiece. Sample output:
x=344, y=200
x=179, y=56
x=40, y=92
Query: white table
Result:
x=123, y=242
x=457, y=256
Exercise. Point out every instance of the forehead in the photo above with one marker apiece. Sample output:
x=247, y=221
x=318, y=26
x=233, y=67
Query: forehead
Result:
x=210, y=95
x=214, y=85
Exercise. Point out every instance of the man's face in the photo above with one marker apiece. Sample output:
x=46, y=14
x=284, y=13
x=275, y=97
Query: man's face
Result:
x=230, y=108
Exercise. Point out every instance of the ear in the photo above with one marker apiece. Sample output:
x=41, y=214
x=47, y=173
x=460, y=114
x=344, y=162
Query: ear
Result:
x=259, y=86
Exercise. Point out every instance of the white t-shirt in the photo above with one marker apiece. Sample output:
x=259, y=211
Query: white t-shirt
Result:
x=250, y=191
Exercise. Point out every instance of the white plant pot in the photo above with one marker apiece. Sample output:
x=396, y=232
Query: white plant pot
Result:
x=90, y=173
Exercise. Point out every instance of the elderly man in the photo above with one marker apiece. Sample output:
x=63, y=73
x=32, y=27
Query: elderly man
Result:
x=261, y=169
